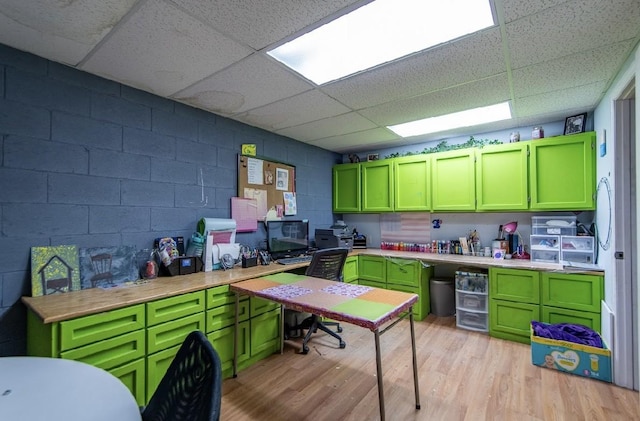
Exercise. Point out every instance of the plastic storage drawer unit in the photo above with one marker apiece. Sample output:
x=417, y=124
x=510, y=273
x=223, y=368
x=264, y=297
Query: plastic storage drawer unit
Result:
x=472, y=298
x=553, y=225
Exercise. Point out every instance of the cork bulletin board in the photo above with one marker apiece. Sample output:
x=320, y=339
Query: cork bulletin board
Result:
x=267, y=181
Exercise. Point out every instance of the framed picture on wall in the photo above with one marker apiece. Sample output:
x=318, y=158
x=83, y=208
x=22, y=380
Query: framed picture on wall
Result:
x=575, y=124
x=373, y=157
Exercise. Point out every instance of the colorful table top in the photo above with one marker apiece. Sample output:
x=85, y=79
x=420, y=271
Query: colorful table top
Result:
x=361, y=305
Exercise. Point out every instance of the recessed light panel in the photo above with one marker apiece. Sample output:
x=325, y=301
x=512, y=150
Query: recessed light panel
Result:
x=379, y=32
x=467, y=118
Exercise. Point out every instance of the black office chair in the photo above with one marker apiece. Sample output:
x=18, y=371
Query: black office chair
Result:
x=327, y=264
x=191, y=389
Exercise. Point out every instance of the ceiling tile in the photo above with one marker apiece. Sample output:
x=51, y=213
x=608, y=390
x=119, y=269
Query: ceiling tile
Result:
x=354, y=141
x=471, y=95
x=516, y=9
x=571, y=71
x=252, y=82
x=162, y=50
x=300, y=109
x=571, y=27
x=261, y=23
x=62, y=31
x=328, y=127
x=582, y=97
x=466, y=59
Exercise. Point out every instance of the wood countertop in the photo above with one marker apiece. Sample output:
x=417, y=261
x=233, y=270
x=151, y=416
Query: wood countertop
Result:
x=60, y=307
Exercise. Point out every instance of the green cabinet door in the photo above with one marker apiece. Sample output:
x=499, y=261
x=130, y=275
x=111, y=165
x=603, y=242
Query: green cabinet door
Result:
x=562, y=172
x=502, y=177
x=511, y=320
x=350, y=270
x=514, y=285
x=346, y=188
x=377, y=186
x=372, y=268
x=412, y=182
x=453, y=186
x=572, y=291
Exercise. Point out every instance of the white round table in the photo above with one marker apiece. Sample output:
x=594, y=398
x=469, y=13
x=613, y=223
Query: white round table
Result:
x=51, y=389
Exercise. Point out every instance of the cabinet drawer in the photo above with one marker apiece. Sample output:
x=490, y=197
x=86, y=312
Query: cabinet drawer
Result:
x=512, y=319
x=157, y=366
x=97, y=327
x=223, y=342
x=172, y=333
x=515, y=285
x=265, y=332
x=133, y=376
x=350, y=271
x=576, y=292
x=562, y=315
x=258, y=306
x=110, y=353
x=472, y=301
x=422, y=307
x=225, y=315
x=172, y=308
x=404, y=272
x=372, y=268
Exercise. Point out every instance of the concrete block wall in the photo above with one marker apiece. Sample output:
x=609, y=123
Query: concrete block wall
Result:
x=91, y=162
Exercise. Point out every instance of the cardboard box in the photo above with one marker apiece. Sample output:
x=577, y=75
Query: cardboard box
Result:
x=582, y=360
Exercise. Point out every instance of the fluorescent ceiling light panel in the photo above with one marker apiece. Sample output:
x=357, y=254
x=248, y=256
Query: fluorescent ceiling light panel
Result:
x=465, y=118
x=379, y=32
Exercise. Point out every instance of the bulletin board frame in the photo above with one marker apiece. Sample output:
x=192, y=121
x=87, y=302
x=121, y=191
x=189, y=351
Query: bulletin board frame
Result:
x=274, y=177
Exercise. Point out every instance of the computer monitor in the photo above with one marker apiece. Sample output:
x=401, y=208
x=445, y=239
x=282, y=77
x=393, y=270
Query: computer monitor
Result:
x=287, y=238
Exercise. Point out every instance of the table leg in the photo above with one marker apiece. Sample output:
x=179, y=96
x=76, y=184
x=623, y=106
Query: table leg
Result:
x=415, y=360
x=281, y=329
x=235, y=337
x=376, y=334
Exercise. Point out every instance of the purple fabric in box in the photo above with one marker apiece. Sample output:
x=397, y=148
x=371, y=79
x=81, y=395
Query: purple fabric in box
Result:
x=569, y=332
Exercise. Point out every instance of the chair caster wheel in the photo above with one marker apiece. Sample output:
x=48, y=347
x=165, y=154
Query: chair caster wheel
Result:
x=305, y=350
x=342, y=344
x=339, y=329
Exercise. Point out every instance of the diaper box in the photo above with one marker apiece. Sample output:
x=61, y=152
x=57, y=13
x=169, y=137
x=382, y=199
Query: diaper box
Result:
x=583, y=360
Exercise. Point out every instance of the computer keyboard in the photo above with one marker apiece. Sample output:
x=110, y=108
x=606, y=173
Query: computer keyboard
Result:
x=294, y=260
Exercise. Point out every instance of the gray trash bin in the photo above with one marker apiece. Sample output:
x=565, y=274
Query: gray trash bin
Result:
x=443, y=297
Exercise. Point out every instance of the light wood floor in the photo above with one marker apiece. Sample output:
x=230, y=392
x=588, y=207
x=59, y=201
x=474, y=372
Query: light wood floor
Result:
x=463, y=375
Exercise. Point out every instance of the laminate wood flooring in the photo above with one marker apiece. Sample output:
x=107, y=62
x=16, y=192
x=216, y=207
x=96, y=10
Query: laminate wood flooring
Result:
x=463, y=375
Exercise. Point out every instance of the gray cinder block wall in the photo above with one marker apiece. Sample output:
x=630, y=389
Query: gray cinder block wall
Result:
x=91, y=162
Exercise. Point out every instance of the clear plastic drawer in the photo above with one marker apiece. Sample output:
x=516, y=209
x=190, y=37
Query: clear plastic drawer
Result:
x=471, y=301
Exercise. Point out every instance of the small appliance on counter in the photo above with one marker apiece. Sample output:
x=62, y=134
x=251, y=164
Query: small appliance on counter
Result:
x=338, y=235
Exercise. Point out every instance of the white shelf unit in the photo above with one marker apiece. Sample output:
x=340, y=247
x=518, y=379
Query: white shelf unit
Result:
x=472, y=300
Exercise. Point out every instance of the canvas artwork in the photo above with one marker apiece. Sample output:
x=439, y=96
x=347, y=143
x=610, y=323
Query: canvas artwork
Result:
x=107, y=267
x=54, y=270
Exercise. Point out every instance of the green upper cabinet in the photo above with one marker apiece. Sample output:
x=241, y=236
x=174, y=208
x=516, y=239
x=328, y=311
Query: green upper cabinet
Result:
x=412, y=180
x=377, y=186
x=346, y=188
x=501, y=177
x=453, y=180
x=562, y=172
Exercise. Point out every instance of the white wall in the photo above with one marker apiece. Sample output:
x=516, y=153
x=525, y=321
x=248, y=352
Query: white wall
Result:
x=604, y=122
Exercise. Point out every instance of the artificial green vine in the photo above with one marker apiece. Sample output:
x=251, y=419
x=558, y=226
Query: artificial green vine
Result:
x=444, y=146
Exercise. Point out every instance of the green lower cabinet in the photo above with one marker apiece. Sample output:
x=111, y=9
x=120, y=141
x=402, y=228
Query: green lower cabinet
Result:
x=572, y=291
x=259, y=306
x=157, y=366
x=350, y=270
x=223, y=341
x=173, y=333
x=265, y=333
x=512, y=320
x=372, y=268
x=133, y=375
x=225, y=315
x=422, y=307
x=110, y=353
x=555, y=315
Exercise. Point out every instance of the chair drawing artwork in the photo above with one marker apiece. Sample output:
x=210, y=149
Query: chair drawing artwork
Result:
x=191, y=389
x=326, y=264
x=101, y=265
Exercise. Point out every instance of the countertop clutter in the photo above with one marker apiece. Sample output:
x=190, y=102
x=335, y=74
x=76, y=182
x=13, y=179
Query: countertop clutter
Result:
x=59, y=307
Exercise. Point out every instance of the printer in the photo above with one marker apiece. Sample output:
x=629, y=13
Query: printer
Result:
x=335, y=236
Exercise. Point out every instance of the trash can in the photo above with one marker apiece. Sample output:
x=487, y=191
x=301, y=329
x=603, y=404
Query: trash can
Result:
x=443, y=297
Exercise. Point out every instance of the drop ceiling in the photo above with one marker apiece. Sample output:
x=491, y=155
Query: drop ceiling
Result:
x=549, y=58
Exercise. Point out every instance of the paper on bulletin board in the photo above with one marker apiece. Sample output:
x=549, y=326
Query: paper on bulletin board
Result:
x=260, y=197
x=254, y=171
x=245, y=213
x=282, y=179
x=290, y=206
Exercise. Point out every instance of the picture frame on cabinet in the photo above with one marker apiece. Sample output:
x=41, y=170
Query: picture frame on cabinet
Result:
x=575, y=124
x=373, y=157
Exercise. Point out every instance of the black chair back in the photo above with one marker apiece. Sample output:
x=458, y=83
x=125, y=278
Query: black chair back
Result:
x=328, y=263
x=191, y=389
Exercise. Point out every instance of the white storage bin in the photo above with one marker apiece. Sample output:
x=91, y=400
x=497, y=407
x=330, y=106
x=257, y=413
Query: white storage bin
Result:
x=471, y=301
x=472, y=320
x=554, y=225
